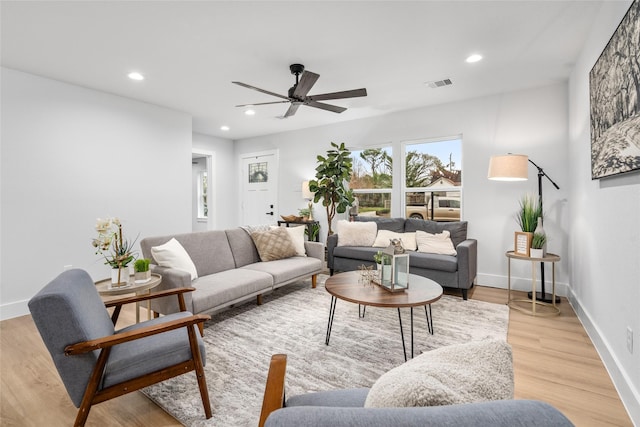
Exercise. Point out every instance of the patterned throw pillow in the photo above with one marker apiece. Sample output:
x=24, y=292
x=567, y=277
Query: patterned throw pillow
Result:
x=274, y=244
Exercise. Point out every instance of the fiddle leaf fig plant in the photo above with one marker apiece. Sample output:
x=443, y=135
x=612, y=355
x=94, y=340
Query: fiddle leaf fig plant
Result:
x=333, y=172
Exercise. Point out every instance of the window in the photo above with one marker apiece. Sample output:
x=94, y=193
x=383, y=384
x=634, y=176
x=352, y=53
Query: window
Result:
x=433, y=180
x=203, y=209
x=371, y=180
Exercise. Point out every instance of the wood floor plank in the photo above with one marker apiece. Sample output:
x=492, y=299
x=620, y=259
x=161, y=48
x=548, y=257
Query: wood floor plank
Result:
x=554, y=361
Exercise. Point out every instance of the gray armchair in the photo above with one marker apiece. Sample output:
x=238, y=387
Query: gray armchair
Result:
x=345, y=408
x=96, y=362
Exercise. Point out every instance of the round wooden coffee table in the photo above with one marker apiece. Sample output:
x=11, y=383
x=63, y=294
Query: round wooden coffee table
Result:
x=349, y=287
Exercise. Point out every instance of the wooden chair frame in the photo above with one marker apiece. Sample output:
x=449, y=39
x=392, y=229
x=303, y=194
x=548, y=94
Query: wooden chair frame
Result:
x=274, y=394
x=93, y=396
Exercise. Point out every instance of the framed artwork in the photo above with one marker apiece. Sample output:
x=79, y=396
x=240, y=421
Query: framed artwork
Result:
x=614, y=95
x=522, y=243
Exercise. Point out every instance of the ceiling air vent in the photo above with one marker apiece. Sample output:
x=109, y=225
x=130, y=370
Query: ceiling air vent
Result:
x=439, y=83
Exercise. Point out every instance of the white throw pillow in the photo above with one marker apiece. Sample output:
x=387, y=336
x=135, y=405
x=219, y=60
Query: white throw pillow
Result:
x=476, y=371
x=297, y=235
x=384, y=236
x=435, y=243
x=173, y=255
x=356, y=233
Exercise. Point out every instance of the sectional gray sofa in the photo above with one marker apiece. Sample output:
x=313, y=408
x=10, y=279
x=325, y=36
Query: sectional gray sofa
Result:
x=451, y=271
x=229, y=270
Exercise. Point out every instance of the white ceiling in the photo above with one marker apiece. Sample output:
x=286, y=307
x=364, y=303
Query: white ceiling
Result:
x=190, y=51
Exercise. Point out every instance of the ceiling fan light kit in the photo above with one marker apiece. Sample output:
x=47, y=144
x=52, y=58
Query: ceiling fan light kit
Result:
x=297, y=94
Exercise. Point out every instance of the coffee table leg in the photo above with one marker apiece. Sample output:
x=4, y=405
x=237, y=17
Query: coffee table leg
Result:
x=429, y=318
x=412, y=332
x=361, y=313
x=404, y=348
x=332, y=310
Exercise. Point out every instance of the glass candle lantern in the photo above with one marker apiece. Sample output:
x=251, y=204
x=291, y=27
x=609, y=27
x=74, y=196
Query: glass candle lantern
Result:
x=395, y=271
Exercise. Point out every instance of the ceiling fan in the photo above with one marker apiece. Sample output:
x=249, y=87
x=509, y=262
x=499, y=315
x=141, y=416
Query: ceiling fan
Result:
x=297, y=95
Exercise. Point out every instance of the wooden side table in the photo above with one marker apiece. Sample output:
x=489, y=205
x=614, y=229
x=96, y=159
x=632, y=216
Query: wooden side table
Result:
x=105, y=288
x=308, y=224
x=548, y=309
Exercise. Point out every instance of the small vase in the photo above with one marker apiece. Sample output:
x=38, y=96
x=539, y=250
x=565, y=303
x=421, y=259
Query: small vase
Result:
x=540, y=230
x=535, y=253
x=119, y=276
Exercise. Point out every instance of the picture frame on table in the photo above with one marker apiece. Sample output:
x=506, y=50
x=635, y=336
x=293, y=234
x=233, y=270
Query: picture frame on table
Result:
x=522, y=243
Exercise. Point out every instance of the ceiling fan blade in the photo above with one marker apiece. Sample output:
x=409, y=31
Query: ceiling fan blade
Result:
x=338, y=95
x=260, y=90
x=261, y=103
x=305, y=84
x=292, y=109
x=324, y=106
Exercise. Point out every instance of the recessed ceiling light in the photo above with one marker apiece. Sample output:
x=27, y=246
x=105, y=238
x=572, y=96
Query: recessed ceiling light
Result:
x=225, y=128
x=135, y=76
x=474, y=58
x=250, y=112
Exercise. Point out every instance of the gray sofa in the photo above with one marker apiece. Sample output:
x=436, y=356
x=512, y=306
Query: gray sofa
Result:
x=451, y=271
x=345, y=408
x=229, y=270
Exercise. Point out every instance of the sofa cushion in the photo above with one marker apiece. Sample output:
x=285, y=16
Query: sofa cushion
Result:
x=435, y=243
x=465, y=373
x=392, y=224
x=173, y=255
x=440, y=262
x=458, y=230
x=209, y=250
x=242, y=247
x=220, y=289
x=355, y=252
x=343, y=398
x=284, y=270
x=356, y=233
x=274, y=244
x=383, y=239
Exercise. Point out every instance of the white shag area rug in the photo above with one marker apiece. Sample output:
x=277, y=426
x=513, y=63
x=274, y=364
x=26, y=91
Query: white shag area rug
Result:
x=293, y=320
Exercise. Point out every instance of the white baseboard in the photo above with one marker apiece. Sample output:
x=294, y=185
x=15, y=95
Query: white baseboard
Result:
x=629, y=395
x=14, y=309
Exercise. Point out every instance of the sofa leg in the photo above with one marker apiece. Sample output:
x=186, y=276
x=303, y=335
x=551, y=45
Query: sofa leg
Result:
x=314, y=281
x=464, y=294
x=201, y=328
x=331, y=272
x=259, y=299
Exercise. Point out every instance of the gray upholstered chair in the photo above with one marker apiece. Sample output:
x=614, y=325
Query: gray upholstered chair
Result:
x=96, y=362
x=346, y=408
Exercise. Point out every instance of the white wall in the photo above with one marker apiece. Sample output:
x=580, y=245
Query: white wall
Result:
x=532, y=122
x=71, y=155
x=604, y=235
x=223, y=185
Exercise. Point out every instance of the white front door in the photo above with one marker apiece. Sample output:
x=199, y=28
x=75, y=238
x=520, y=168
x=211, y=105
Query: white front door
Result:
x=259, y=188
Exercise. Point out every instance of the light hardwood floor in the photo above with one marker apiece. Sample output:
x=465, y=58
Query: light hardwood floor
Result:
x=554, y=361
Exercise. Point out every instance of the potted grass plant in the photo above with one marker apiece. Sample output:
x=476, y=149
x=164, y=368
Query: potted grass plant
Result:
x=530, y=211
x=537, y=244
x=141, y=268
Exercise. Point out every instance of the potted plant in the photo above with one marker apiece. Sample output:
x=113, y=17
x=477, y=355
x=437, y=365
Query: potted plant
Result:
x=330, y=186
x=141, y=268
x=315, y=230
x=537, y=244
x=530, y=210
x=121, y=254
x=304, y=213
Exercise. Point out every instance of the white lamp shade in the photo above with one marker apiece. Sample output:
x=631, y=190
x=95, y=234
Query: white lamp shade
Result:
x=510, y=167
x=306, y=193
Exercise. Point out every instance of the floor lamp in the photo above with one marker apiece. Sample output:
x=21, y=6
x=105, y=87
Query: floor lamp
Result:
x=514, y=167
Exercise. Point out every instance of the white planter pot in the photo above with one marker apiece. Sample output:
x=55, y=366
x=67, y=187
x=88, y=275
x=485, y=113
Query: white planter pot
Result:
x=124, y=276
x=536, y=253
